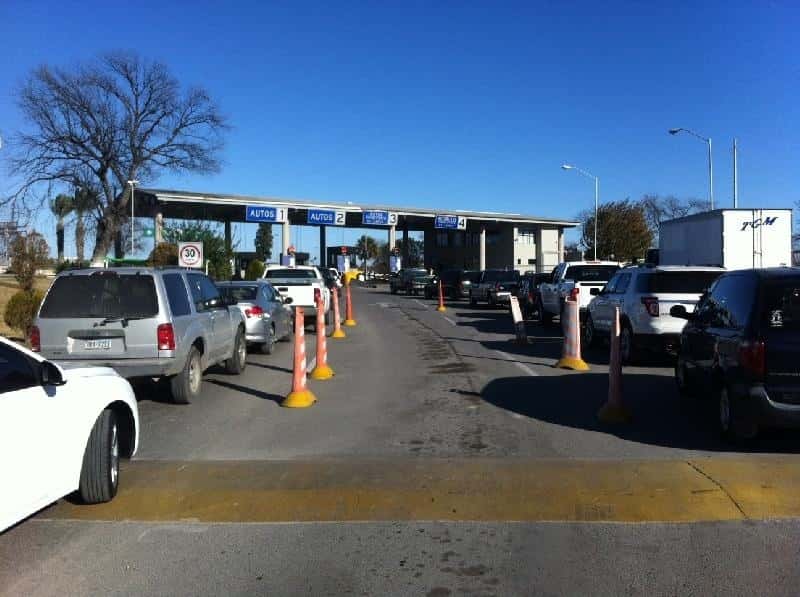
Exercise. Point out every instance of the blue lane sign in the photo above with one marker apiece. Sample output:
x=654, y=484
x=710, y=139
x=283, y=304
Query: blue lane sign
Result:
x=378, y=218
x=326, y=217
x=450, y=222
x=265, y=213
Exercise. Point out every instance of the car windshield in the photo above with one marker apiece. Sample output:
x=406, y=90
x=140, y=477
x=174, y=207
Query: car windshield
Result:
x=102, y=294
x=500, y=276
x=290, y=273
x=239, y=293
x=590, y=273
x=677, y=282
x=418, y=273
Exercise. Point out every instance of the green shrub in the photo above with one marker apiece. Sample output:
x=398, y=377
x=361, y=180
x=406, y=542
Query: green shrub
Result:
x=254, y=270
x=164, y=254
x=28, y=253
x=21, y=309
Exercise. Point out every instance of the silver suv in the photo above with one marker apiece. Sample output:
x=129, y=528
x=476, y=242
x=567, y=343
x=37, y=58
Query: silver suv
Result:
x=644, y=295
x=143, y=322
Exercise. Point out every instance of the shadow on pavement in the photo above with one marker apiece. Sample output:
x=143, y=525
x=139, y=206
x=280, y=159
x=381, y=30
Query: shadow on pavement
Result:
x=660, y=417
x=245, y=390
x=270, y=367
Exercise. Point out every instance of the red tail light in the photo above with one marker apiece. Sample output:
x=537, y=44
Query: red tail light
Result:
x=317, y=295
x=36, y=339
x=573, y=294
x=166, y=337
x=651, y=305
x=752, y=357
x=254, y=311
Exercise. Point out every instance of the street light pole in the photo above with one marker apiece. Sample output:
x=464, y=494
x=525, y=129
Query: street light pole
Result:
x=596, y=198
x=707, y=140
x=132, y=183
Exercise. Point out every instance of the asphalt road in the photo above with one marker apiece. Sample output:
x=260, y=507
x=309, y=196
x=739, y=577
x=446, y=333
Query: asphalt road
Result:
x=235, y=495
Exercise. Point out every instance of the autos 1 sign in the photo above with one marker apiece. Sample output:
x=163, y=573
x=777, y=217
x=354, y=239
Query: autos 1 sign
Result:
x=450, y=222
x=265, y=213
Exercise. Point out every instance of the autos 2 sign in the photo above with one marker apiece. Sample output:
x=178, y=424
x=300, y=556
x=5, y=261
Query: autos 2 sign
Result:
x=326, y=217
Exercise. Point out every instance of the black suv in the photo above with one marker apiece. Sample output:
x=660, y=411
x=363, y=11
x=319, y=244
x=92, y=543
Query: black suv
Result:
x=742, y=346
x=455, y=284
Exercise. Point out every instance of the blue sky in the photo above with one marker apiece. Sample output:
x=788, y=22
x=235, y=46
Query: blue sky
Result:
x=470, y=105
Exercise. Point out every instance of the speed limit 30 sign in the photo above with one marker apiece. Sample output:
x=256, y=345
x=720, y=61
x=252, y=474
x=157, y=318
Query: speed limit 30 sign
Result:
x=190, y=254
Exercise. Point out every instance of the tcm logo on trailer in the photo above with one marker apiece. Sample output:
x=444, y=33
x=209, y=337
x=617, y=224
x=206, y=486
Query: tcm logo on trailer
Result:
x=758, y=222
x=190, y=255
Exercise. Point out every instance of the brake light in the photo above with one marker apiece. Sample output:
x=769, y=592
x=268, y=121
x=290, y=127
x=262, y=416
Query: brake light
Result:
x=573, y=294
x=165, y=335
x=254, y=311
x=36, y=339
x=317, y=295
x=651, y=305
x=752, y=357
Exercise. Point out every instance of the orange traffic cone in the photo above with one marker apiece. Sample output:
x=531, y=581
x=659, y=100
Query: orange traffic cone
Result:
x=338, y=332
x=614, y=411
x=349, y=322
x=300, y=396
x=441, y=306
x=571, y=352
x=322, y=370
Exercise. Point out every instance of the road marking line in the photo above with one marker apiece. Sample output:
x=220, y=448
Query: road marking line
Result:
x=466, y=489
x=419, y=302
x=450, y=320
x=504, y=356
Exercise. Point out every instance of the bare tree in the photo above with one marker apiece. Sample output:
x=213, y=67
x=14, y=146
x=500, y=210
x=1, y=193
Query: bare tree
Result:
x=658, y=208
x=117, y=118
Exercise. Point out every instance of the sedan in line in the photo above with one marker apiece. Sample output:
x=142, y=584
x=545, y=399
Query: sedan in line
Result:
x=268, y=316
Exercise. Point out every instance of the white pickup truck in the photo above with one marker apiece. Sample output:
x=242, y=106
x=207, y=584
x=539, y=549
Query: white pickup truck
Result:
x=302, y=283
x=573, y=278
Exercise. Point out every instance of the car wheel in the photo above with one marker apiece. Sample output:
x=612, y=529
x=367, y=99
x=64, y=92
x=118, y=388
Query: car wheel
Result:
x=100, y=470
x=626, y=344
x=545, y=317
x=238, y=361
x=268, y=347
x=185, y=386
x=589, y=334
x=731, y=423
x=472, y=302
x=492, y=302
x=682, y=378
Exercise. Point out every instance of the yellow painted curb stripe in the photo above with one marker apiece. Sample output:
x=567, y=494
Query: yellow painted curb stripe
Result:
x=451, y=489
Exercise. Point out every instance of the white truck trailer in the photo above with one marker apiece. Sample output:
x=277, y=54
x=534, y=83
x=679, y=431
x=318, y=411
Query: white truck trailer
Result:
x=729, y=238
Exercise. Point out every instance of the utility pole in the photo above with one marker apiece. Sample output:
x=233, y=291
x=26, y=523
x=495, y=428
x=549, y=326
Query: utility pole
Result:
x=735, y=174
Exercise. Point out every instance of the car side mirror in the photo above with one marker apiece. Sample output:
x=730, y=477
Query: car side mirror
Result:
x=50, y=375
x=594, y=291
x=679, y=312
x=287, y=300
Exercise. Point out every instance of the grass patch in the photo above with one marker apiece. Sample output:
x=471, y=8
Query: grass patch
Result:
x=8, y=287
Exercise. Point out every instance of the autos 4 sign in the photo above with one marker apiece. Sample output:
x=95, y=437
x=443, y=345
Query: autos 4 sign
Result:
x=190, y=255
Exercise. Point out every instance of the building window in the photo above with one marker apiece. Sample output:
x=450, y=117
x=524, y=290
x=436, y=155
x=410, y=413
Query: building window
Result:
x=441, y=239
x=458, y=238
x=526, y=237
x=492, y=238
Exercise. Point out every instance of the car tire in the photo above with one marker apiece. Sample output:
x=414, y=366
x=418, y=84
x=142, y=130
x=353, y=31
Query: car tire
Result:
x=545, y=317
x=186, y=386
x=627, y=344
x=732, y=426
x=589, y=333
x=472, y=302
x=238, y=361
x=99, y=478
x=682, y=382
x=492, y=302
x=268, y=347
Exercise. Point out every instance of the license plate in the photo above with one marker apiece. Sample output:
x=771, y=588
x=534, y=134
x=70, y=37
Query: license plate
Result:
x=97, y=345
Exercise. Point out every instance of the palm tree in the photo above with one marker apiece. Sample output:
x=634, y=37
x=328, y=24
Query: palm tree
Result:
x=61, y=206
x=84, y=201
x=367, y=249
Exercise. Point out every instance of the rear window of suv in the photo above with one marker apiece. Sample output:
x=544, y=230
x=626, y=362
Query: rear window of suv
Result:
x=102, y=294
x=781, y=304
x=290, y=273
x=590, y=273
x=677, y=282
